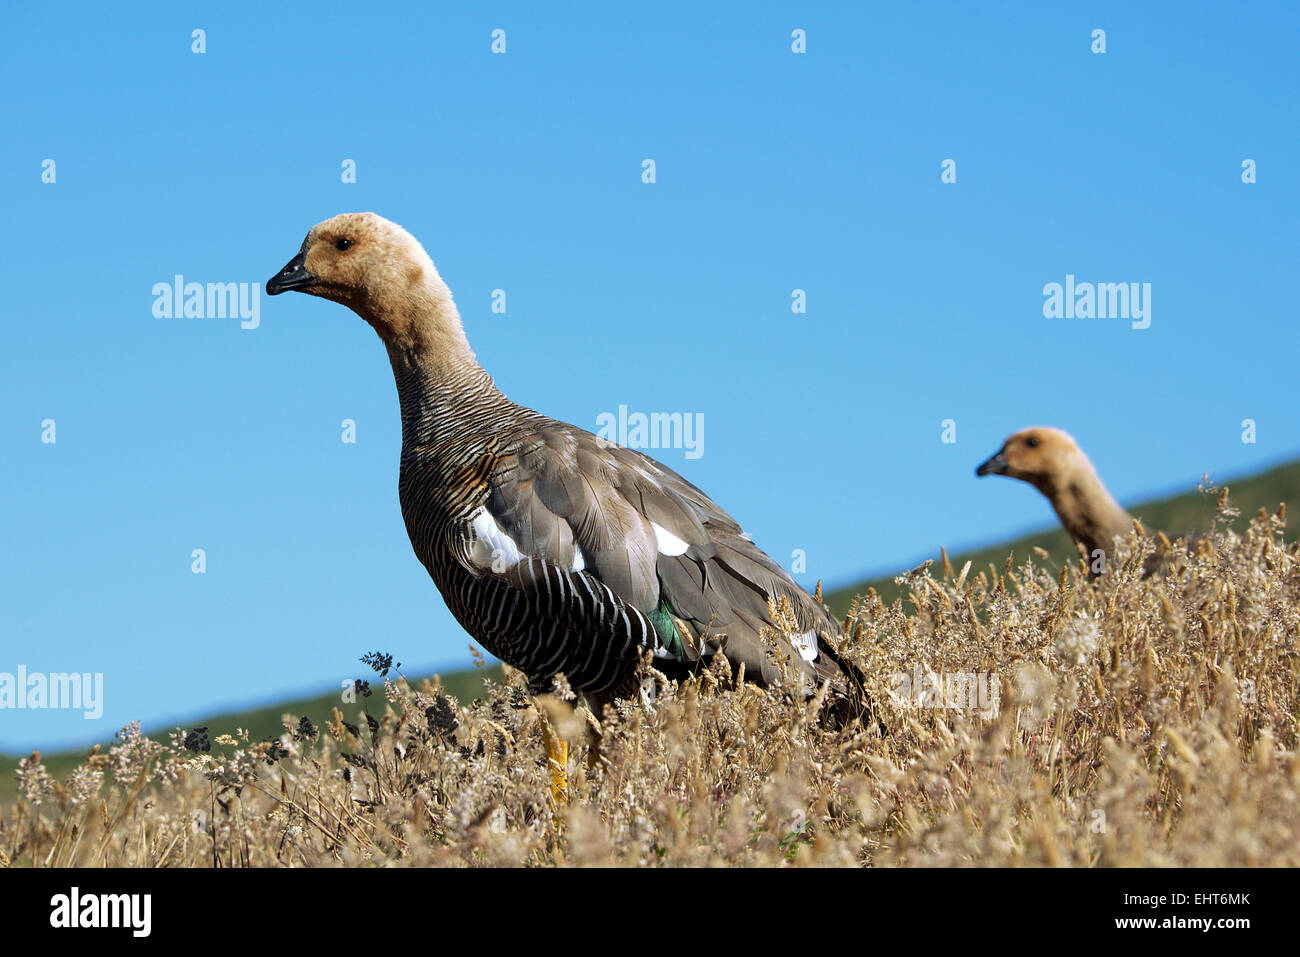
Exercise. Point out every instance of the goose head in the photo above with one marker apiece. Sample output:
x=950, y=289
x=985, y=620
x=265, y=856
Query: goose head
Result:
x=379, y=271
x=1041, y=456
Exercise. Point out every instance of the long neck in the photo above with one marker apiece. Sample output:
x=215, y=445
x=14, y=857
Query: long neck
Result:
x=440, y=399
x=443, y=391
x=1087, y=510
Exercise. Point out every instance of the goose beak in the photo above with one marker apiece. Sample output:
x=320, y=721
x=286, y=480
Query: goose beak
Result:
x=996, y=465
x=293, y=276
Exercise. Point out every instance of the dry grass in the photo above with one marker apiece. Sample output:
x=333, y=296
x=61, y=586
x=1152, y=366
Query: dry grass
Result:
x=1140, y=722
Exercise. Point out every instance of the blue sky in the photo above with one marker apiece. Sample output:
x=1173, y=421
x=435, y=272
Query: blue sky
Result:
x=775, y=171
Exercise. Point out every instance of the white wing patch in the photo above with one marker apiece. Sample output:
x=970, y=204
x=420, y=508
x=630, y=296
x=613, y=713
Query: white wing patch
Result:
x=669, y=544
x=807, y=645
x=490, y=547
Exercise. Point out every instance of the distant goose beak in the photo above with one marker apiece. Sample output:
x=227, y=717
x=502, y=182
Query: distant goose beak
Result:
x=997, y=465
x=293, y=276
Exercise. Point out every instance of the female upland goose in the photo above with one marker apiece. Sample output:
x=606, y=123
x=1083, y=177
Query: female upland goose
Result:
x=1052, y=462
x=556, y=550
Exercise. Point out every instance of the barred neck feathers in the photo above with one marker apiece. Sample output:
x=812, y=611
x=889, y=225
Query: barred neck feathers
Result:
x=438, y=403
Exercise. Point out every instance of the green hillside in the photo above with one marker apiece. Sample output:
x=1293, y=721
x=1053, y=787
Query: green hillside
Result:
x=1176, y=515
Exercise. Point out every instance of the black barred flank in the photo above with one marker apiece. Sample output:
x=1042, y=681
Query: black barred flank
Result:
x=536, y=616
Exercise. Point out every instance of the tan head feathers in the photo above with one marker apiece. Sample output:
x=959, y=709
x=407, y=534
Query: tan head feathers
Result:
x=381, y=272
x=1039, y=455
x=1051, y=461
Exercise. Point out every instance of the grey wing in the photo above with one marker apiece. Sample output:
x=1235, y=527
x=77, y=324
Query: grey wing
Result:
x=657, y=542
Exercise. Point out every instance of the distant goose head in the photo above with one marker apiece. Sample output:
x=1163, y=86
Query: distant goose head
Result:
x=1053, y=463
x=381, y=272
x=1041, y=456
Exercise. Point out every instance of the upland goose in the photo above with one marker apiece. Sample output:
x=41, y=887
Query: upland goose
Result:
x=556, y=550
x=1052, y=462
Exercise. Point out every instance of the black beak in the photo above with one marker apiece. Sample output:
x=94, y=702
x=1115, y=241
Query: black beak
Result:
x=293, y=276
x=997, y=465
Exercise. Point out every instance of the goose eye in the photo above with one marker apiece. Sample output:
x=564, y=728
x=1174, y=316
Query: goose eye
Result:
x=1032, y=442
x=343, y=244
